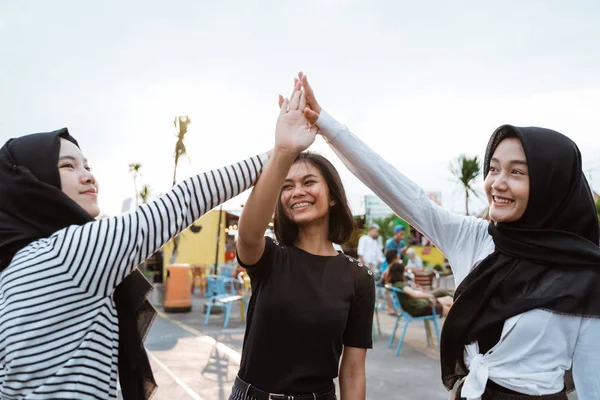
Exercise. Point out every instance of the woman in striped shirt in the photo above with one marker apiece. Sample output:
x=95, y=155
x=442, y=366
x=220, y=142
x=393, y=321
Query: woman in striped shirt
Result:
x=72, y=313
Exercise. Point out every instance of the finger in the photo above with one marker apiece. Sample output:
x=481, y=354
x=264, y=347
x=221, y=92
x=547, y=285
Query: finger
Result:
x=302, y=105
x=295, y=101
x=311, y=115
x=297, y=86
x=280, y=100
x=310, y=95
x=284, y=107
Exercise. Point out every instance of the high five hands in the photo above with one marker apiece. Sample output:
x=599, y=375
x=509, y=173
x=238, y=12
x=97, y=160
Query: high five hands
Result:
x=295, y=130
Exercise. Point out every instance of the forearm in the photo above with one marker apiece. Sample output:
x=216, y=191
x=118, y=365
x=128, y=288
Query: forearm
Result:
x=261, y=203
x=353, y=387
x=403, y=196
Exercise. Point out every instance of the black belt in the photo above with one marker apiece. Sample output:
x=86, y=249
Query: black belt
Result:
x=251, y=391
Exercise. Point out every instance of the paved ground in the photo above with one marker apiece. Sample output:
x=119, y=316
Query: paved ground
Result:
x=194, y=361
x=199, y=362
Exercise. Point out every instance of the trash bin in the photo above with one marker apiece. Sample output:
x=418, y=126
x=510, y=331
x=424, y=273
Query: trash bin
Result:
x=178, y=297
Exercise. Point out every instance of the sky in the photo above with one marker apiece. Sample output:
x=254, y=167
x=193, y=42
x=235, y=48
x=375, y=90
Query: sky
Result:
x=419, y=82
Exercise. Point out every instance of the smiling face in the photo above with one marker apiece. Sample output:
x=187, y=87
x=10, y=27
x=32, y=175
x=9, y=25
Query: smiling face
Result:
x=507, y=182
x=77, y=181
x=305, y=195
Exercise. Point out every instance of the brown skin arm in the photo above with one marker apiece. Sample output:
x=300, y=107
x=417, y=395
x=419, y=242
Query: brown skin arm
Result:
x=353, y=379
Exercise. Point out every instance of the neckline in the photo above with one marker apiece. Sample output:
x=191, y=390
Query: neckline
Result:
x=314, y=255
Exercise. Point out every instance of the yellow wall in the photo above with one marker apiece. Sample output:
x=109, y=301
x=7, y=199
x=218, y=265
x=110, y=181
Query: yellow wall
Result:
x=433, y=258
x=200, y=248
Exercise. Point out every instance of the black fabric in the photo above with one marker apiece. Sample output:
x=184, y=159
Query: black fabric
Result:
x=548, y=259
x=304, y=308
x=33, y=206
x=245, y=391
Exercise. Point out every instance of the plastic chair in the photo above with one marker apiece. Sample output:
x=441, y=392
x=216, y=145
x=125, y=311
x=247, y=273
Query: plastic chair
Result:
x=222, y=294
x=401, y=314
x=226, y=270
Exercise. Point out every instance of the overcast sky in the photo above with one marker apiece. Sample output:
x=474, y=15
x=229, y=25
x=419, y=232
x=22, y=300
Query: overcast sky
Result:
x=420, y=82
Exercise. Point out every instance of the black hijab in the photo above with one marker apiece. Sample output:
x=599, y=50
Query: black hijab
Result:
x=33, y=206
x=547, y=259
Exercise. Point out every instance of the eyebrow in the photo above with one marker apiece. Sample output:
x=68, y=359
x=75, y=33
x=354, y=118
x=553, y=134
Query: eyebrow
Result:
x=71, y=158
x=304, y=177
x=520, y=162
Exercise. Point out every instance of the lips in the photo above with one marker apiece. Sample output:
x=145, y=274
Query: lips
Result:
x=90, y=192
x=499, y=200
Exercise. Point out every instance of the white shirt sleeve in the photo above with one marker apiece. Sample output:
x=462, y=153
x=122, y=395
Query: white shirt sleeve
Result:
x=462, y=239
x=361, y=246
x=586, y=359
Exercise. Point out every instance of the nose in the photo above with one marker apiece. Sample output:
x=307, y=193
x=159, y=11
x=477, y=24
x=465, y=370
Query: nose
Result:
x=298, y=191
x=88, y=178
x=500, y=183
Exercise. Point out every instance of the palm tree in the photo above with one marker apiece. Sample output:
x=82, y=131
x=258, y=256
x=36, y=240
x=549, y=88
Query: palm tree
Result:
x=134, y=170
x=181, y=124
x=145, y=193
x=466, y=169
x=386, y=226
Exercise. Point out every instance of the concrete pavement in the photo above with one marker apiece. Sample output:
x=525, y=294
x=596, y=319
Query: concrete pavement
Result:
x=194, y=361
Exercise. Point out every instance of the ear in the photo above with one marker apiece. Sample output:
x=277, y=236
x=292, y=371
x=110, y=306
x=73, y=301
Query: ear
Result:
x=332, y=203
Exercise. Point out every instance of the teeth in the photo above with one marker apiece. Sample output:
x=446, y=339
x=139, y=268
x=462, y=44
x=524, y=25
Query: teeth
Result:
x=300, y=205
x=501, y=200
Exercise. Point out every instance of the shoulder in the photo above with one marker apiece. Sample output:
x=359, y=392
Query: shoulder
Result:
x=362, y=272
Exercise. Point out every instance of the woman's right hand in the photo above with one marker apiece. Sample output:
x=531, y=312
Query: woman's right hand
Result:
x=312, y=109
x=293, y=133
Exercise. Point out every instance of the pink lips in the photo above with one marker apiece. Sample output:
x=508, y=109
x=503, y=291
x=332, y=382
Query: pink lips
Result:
x=91, y=192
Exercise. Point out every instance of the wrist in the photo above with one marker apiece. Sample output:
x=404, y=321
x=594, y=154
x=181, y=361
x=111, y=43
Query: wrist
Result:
x=282, y=153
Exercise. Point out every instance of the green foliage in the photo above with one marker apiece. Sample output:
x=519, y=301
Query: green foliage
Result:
x=386, y=226
x=466, y=170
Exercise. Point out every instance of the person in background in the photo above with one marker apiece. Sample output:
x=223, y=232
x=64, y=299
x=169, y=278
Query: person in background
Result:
x=413, y=260
x=370, y=251
x=397, y=241
x=416, y=302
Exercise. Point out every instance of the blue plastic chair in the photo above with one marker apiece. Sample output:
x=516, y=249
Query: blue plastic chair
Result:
x=221, y=291
x=401, y=314
x=226, y=270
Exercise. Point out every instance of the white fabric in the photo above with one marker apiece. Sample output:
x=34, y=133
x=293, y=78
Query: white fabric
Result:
x=536, y=347
x=370, y=250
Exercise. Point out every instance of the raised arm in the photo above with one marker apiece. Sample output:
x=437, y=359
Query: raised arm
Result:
x=292, y=136
x=459, y=237
x=100, y=254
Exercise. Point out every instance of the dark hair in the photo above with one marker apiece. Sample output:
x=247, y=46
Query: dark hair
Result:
x=495, y=139
x=396, y=273
x=341, y=221
x=391, y=256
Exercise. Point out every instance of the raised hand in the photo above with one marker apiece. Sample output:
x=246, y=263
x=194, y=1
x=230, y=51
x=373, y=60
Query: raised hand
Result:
x=293, y=132
x=312, y=109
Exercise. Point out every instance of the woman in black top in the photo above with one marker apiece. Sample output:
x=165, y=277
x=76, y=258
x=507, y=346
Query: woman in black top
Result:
x=309, y=303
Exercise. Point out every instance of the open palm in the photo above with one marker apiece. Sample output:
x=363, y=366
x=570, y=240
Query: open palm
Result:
x=293, y=132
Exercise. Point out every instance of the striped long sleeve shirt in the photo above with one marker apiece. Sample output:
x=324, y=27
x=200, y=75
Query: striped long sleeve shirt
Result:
x=59, y=333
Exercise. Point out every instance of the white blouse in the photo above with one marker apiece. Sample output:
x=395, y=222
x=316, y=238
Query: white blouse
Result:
x=536, y=347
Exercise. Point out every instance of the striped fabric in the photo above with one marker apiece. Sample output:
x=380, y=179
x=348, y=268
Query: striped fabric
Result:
x=58, y=322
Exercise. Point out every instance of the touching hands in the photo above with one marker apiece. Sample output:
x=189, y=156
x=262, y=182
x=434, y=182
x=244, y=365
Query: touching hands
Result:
x=294, y=133
x=312, y=109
